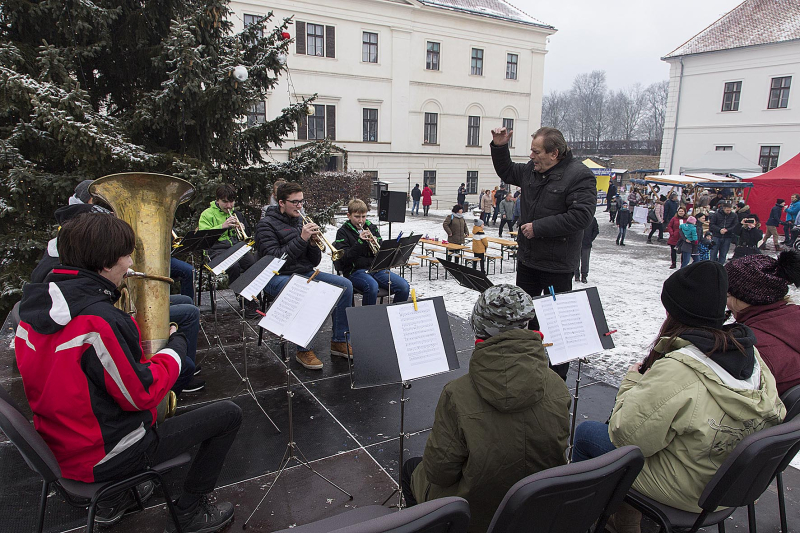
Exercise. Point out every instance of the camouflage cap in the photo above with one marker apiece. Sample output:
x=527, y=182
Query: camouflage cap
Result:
x=501, y=308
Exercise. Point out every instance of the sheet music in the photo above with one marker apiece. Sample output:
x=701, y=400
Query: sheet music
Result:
x=262, y=279
x=417, y=340
x=314, y=299
x=235, y=256
x=568, y=323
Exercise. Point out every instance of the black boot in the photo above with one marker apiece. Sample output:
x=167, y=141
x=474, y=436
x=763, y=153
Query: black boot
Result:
x=617, y=241
x=649, y=240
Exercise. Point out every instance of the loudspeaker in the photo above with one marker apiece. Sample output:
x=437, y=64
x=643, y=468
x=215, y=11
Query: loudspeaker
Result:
x=392, y=206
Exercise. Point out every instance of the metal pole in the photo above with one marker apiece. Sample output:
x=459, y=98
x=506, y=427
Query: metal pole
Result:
x=574, y=410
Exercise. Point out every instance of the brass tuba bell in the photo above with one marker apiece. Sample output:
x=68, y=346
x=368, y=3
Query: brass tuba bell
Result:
x=148, y=202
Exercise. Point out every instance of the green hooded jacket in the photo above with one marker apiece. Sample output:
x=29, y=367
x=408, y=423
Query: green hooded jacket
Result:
x=212, y=218
x=506, y=419
x=686, y=421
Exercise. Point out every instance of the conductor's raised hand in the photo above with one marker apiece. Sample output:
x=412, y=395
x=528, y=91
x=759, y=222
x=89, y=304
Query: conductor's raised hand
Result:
x=309, y=230
x=501, y=136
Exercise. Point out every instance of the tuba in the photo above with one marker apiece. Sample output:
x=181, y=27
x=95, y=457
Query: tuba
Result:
x=148, y=202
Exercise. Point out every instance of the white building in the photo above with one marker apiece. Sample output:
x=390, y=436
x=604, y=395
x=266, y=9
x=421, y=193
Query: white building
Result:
x=410, y=89
x=732, y=87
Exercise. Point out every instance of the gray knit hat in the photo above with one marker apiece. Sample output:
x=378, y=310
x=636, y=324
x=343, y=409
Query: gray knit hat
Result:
x=501, y=308
x=82, y=191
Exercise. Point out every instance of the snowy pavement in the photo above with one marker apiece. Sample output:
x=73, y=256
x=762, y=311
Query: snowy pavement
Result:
x=628, y=279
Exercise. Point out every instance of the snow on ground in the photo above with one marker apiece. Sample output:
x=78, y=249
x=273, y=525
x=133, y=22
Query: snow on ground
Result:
x=628, y=279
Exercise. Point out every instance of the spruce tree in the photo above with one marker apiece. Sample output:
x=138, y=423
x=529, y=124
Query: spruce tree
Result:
x=93, y=88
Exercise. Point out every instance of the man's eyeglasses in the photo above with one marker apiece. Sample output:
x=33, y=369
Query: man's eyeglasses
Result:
x=295, y=202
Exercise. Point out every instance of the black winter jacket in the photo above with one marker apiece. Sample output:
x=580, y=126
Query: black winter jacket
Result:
x=416, y=194
x=560, y=203
x=624, y=217
x=590, y=234
x=357, y=253
x=720, y=220
x=278, y=234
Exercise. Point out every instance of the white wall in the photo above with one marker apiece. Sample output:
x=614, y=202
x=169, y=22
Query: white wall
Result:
x=402, y=89
x=702, y=125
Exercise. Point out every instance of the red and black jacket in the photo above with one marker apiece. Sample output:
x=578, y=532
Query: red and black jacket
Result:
x=92, y=393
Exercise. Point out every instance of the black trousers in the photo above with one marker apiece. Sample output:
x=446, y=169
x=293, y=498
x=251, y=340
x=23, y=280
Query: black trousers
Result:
x=656, y=226
x=405, y=480
x=213, y=427
x=235, y=270
x=535, y=283
x=425, y=210
x=504, y=222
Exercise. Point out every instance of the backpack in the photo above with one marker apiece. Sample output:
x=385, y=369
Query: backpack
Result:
x=651, y=215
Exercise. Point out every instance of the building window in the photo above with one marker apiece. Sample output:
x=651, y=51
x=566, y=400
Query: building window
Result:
x=511, y=66
x=476, y=66
x=779, y=93
x=768, y=158
x=315, y=40
x=429, y=179
x=432, y=57
x=726, y=148
x=316, y=123
x=730, y=97
x=431, y=128
x=257, y=114
x=369, y=47
x=370, y=125
x=473, y=131
x=320, y=125
x=249, y=20
x=472, y=182
x=508, y=124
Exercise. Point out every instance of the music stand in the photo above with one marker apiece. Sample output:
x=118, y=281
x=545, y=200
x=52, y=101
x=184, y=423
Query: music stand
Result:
x=393, y=253
x=225, y=260
x=197, y=241
x=286, y=324
x=467, y=276
x=371, y=333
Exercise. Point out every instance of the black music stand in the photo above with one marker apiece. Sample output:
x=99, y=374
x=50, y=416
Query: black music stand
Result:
x=220, y=258
x=371, y=334
x=393, y=253
x=197, y=241
x=467, y=276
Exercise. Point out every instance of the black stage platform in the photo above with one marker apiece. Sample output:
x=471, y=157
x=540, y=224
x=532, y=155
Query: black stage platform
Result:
x=351, y=436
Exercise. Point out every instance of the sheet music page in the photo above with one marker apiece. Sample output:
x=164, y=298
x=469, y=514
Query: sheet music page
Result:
x=568, y=323
x=235, y=256
x=286, y=306
x=262, y=279
x=314, y=308
x=417, y=340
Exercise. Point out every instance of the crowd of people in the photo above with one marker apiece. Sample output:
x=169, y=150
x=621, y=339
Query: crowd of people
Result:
x=704, y=384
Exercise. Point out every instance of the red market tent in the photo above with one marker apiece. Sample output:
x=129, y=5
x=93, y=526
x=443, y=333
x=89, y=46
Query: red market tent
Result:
x=780, y=182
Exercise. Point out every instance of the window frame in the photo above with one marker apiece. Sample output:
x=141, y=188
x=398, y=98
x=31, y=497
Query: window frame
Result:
x=316, y=119
x=319, y=40
x=506, y=121
x=472, y=182
x=772, y=156
x=249, y=19
x=427, y=175
x=369, y=124
x=257, y=114
x=476, y=62
x=723, y=148
x=474, y=130
x=512, y=67
x=431, y=129
x=734, y=89
x=367, y=46
x=430, y=55
x=777, y=95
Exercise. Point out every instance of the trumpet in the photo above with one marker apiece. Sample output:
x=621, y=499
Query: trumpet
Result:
x=238, y=226
x=374, y=247
x=321, y=241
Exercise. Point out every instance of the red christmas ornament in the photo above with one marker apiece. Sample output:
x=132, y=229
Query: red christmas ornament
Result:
x=285, y=35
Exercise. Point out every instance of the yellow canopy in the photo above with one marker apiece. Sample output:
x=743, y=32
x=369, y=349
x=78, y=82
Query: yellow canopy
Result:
x=591, y=164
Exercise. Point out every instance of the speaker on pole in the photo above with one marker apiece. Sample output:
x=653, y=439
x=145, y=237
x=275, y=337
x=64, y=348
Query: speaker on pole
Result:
x=392, y=206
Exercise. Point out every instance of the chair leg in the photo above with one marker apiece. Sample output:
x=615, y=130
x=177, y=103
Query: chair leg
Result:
x=781, y=503
x=42, y=506
x=751, y=517
x=721, y=527
x=170, y=505
x=90, y=519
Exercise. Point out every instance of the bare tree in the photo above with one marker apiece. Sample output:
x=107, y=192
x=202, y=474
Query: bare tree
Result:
x=656, y=96
x=630, y=108
x=588, y=97
x=556, y=109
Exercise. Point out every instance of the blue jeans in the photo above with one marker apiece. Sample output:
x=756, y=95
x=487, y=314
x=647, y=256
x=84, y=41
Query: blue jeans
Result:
x=368, y=284
x=184, y=273
x=686, y=258
x=591, y=440
x=183, y=312
x=621, y=235
x=277, y=283
x=415, y=207
x=719, y=249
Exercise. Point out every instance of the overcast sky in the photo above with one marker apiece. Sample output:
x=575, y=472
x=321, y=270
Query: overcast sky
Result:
x=626, y=38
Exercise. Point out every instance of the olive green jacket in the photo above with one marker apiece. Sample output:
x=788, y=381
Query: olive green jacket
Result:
x=687, y=420
x=506, y=419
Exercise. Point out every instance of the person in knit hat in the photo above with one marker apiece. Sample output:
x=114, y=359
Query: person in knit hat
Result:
x=506, y=419
x=757, y=295
x=702, y=388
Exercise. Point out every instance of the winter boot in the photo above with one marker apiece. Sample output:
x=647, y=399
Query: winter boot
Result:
x=577, y=278
x=625, y=520
x=763, y=246
x=584, y=280
x=617, y=241
x=649, y=241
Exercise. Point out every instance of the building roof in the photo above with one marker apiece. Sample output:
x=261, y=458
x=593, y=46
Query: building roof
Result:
x=498, y=9
x=752, y=22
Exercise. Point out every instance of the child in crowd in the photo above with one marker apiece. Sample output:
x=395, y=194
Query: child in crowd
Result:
x=624, y=221
x=479, y=243
x=613, y=206
x=688, y=240
x=704, y=247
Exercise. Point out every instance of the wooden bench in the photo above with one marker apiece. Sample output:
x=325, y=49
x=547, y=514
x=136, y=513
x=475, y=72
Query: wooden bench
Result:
x=408, y=266
x=491, y=260
x=432, y=262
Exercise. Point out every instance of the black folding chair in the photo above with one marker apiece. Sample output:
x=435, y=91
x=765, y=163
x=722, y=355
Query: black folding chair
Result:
x=443, y=515
x=40, y=458
x=569, y=498
x=791, y=399
x=739, y=482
